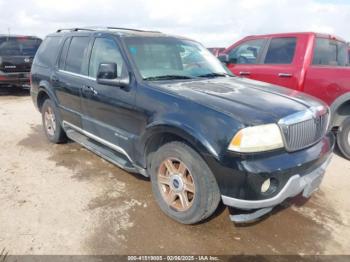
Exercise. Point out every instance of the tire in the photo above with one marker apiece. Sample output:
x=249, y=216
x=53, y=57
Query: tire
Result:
x=343, y=138
x=197, y=181
x=52, y=127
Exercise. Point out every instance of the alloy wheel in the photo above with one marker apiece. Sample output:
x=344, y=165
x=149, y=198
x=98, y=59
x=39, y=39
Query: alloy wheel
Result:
x=50, y=121
x=176, y=184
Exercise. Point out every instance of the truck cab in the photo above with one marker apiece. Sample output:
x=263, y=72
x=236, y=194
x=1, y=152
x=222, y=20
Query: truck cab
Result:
x=317, y=64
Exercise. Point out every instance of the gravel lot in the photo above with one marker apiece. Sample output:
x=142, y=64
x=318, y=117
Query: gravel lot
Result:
x=63, y=199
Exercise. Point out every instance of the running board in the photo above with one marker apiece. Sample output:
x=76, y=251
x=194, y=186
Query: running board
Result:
x=105, y=152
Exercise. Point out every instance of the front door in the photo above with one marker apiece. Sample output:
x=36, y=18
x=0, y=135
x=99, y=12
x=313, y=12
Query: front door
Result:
x=109, y=110
x=244, y=59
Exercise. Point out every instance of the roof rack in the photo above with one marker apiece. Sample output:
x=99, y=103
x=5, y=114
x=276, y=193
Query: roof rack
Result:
x=131, y=29
x=74, y=29
x=103, y=28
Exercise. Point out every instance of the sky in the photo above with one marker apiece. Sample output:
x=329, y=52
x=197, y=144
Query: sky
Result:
x=215, y=23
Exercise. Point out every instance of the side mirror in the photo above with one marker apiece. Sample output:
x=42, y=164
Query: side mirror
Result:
x=107, y=74
x=223, y=58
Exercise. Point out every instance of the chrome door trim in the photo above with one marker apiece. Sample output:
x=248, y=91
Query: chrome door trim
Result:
x=78, y=75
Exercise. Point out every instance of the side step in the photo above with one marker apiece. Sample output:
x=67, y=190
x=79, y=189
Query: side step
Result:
x=110, y=155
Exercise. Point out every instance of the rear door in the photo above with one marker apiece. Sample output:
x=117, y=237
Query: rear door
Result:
x=71, y=76
x=279, y=64
x=244, y=59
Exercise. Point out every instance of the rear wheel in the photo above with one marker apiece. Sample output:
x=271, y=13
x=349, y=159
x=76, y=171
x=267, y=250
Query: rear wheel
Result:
x=52, y=127
x=343, y=138
x=183, y=185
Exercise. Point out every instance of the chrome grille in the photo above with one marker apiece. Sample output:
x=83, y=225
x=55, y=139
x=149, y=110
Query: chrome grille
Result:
x=298, y=135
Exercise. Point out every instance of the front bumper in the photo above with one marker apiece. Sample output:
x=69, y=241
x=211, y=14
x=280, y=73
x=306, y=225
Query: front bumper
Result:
x=296, y=184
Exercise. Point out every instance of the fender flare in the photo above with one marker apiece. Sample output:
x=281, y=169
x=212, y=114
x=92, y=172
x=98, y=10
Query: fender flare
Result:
x=196, y=140
x=44, y=86
x=336, y=105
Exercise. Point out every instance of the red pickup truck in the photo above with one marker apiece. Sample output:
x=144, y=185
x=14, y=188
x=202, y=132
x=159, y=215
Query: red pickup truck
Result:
x=316, y=64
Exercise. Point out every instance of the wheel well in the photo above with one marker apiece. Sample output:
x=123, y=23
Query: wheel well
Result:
x=42, y=96
x=341, y=114
x=157, y=140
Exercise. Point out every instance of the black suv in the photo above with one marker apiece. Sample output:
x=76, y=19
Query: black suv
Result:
x=16, y=56
x=165, y=107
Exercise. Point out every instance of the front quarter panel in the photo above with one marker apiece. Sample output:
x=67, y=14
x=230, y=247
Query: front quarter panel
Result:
x=208, y=131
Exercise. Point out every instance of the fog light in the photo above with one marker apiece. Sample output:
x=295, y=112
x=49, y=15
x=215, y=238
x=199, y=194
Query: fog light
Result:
x=266, y=185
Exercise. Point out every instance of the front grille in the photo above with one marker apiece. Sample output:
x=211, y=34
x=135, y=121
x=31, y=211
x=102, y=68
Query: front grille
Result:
x=305, y=133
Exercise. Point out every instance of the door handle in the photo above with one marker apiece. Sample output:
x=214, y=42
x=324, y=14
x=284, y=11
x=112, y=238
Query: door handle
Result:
x=90, y=89
x=284, y=75
x=242, y=73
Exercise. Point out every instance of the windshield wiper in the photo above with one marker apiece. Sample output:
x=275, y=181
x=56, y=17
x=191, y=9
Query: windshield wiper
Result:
x=167, y=77
x=215, y=75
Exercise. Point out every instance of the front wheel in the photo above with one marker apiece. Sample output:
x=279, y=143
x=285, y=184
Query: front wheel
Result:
x=343, y=138
x=183, y=185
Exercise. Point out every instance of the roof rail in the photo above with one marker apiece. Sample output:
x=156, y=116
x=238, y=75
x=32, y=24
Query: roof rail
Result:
x=74, y=29
x=104, y=28
x=131, y=29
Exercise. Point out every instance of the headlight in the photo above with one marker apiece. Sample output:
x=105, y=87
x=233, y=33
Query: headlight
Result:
x=257, y=139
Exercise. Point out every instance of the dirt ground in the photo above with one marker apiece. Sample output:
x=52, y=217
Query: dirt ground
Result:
x=63, y=199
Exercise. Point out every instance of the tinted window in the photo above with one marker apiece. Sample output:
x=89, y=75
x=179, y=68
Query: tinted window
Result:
x=63, y=55
x=330, y=52
x=106, y=51
x=247, y=52
x=76, y=54
x=47, y=53
x=281, y=51
x=19, y=46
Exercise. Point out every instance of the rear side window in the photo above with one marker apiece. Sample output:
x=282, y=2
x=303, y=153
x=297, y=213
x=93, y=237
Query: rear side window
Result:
x=47, y=53
x=330, y=52
x=247, y=52
x=281, y=51
x=62, y=61
x=76, y=53
x=19, y=46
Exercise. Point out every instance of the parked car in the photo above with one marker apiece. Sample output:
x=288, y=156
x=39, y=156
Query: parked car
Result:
x=216, y=50
x=16, y=56
x=165, y=107
x=316, y=64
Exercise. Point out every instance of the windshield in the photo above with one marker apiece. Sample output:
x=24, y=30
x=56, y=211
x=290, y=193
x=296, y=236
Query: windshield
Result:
x=160, y=58
x=18, y=46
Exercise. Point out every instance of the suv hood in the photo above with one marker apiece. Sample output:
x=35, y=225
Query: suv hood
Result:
x=252, y=102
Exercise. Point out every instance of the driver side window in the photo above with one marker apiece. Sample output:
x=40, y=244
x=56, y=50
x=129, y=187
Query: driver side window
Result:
x=105, y=50
x=247, y=52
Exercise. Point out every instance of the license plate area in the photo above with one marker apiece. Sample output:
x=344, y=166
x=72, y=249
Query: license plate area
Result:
x=313, y=183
